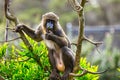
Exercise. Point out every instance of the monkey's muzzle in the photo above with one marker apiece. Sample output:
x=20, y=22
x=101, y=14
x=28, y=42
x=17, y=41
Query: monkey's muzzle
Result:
x=49, y=25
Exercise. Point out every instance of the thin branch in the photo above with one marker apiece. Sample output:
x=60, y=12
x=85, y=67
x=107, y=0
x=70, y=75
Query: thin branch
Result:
x=97, y=44
x=92, y=43
x=94, y=72
x=12, y=29
x=10, y=40
x=6, y=30
x=84, y=72
x=81, y=33
x=6, y=39
x=8, y=15
x=78, y=75
x=74, y=44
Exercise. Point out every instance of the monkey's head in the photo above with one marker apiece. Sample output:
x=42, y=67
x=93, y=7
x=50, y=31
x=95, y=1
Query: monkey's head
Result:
x=50, y=20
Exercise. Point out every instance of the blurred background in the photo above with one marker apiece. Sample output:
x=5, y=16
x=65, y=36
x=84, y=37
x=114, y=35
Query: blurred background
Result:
x=102, y=20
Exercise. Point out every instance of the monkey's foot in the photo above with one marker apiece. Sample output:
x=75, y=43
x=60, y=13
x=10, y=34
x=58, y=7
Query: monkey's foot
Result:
x=54, y=76
x=64, y=77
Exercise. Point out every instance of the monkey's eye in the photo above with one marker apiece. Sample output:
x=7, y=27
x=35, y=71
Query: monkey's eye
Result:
x=49, y=25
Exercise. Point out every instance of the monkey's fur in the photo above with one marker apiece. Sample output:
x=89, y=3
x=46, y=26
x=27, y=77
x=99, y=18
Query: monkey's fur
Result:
x=59, y=49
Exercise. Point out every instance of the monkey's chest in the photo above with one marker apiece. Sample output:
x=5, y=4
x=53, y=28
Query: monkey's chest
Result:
x=50, y=44
x=57, y=55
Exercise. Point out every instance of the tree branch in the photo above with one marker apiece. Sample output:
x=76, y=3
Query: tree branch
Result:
x=6, y=30
x=74, y=44
x=12, y=18
x=78, y=75
x=78, y=7
x=81, y=33
x=6, y=38
x=97, y=44
x=10, y=40
x=75, y=5
x=87, y=71
x=84, y=72
x=8, y=15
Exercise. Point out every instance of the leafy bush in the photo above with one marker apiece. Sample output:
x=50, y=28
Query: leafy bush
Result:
x=21, y=63
x=15, y=68
x=87, y=66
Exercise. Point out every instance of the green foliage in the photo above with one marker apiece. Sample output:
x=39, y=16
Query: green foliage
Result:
x=3, y=50
x=87, y=66
x=20, y=67
x=14, y=70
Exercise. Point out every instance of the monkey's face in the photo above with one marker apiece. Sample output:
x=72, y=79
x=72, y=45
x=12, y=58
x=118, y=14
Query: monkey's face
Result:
x=49, y=25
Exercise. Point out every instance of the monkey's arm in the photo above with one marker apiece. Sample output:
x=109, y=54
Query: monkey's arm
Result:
x=35, y=35
x=61, y=41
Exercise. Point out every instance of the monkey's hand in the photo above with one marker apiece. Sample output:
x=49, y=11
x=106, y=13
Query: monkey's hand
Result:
x=49, y=35
x=19, y=27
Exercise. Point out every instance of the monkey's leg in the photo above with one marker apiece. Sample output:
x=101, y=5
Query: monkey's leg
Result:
x=54, y=74
x=36, y=35
x=68, y=60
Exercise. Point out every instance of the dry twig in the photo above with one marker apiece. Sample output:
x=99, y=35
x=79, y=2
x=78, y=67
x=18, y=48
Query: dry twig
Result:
x=84, y=72
x=10, y=40
x=97, y=44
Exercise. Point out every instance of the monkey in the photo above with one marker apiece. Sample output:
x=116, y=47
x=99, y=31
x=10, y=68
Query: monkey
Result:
x=60, y=54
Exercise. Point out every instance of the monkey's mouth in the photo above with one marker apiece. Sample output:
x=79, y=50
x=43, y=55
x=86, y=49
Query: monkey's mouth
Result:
x=49, y=25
